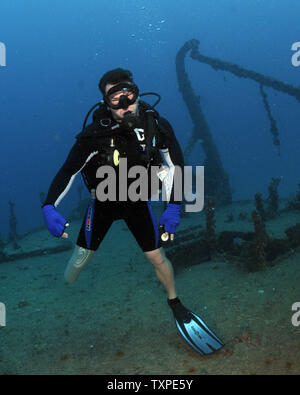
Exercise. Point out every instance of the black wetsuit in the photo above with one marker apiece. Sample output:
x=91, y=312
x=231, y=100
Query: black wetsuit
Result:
x=92, y=150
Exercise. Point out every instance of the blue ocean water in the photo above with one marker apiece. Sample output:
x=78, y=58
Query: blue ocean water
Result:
x=57, y=51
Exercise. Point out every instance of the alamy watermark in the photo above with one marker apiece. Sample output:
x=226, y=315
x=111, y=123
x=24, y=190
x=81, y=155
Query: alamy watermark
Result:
x=2, y=314
x=2, y=54
x=296, y=56
x=176, y=181
x=296, y=316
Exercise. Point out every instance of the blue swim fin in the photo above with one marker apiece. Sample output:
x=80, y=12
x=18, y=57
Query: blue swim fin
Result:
x=194, y=330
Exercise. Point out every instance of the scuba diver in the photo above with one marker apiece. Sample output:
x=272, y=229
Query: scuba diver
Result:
x=126, y=127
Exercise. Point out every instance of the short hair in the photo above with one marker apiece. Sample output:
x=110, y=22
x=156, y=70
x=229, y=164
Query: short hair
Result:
x=114, y=77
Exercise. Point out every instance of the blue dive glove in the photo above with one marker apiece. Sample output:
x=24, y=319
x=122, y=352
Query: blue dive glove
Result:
x=55, y=222
x=170, y=218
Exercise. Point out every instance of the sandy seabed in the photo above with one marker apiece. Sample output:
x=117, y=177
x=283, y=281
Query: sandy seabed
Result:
x=115, y=319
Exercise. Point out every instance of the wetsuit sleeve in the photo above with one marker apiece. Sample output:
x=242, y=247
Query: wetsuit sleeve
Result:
x=172, y=153
x=75, y=162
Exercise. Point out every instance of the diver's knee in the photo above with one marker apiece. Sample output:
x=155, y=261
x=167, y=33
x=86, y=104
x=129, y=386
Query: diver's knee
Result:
x=155, y=257
x=79, y=259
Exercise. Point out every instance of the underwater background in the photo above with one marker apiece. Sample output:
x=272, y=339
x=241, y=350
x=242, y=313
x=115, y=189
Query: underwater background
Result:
x=56, y=52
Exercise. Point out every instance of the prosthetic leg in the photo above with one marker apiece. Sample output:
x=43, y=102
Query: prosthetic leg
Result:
x=80, y=258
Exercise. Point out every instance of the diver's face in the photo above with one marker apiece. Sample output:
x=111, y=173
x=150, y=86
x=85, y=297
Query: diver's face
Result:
x=118, y=114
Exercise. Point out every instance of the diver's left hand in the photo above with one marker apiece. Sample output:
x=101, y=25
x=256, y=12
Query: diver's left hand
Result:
x=165, y=236
x=170, y=219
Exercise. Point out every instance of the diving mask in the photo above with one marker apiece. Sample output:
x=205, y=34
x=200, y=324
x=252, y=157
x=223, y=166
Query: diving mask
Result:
x=121, y=95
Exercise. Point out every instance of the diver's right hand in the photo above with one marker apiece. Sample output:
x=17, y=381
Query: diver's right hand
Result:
x=55, y=222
